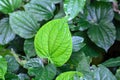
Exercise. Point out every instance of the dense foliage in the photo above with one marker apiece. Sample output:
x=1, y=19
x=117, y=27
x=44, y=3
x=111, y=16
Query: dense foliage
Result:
x=59, y=40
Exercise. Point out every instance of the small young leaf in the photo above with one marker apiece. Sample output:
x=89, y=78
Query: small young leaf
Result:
x=69, y=75
x=73, y=7
x=53, y=41
x=78, y=43
x=8, y=6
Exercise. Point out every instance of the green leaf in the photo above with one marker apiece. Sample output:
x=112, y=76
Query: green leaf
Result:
x=3, y=67
x=8, y=6
x=11, y=61
x=29, y=48
x=90, y=49
x=78, y=43
x=102, y=73
x=72, y=8
x=53, y=41
x=11, y=76
x=23, y=76
x=23, y=24
x=41, y=9
x=103, y=35
x=69, y=75
x=113, y=62
x=6, y=33
x=47, y=73
x=118, y=74
x=84, y=63
x=108, y=0
x=55, y=1
x=33, y=62
x=100, y=12
x=118, y=33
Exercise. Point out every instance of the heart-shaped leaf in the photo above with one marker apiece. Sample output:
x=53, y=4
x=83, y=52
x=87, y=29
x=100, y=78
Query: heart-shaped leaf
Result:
x=103, y=35
x=23, y=24
x=53, y=41
x=41, y=9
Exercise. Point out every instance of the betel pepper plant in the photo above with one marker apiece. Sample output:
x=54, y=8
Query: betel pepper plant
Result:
x=59, y=40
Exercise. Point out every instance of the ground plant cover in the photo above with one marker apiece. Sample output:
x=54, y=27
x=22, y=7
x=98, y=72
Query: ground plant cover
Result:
x=59, y=40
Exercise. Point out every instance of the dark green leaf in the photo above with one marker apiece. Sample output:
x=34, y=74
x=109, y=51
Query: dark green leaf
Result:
x=6, y=33
x=78, y=43
x=23, y=76
x=103, y=35
x=8, y=6
x=47, y=73
x=41, y=9
x=53, y=41
x=29, y=48
x=84, y=63
x=23, y=24
x=100, y=12
x=11, y=76
x=102, y=73
x=108, y=0
x=33, y=62
x=11, y=61
x=55, y=1
x=113, y=62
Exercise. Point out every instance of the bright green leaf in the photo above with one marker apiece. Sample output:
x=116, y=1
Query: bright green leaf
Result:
x=8, y=6
x=118, y=74
x=41, y=9
x=3, y=67
x=23, y=24
x=6, y=33
x=69, y=75
x=113, y=62
x=53, y=41
x=73, y=7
